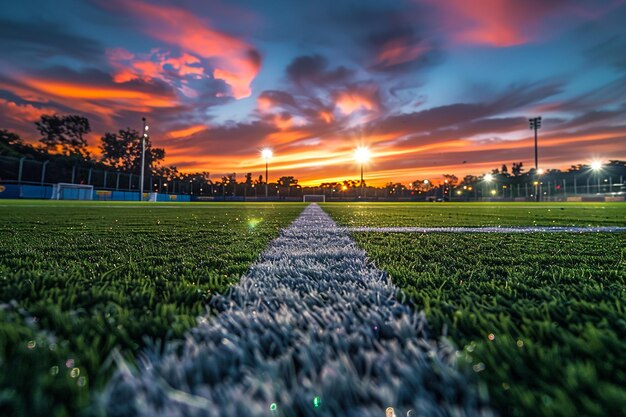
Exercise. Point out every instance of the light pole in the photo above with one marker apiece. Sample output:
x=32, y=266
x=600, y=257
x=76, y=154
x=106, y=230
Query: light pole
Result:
x=596, y=166
x=267, y=155
x=144, y=135
x=535, y=124
x=487, y=178
x=362, y=155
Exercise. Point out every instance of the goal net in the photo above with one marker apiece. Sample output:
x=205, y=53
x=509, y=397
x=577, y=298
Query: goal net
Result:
x=314, y=198
x=67, y=191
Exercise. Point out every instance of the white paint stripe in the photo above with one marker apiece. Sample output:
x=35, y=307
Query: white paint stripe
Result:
x=520, y=229
x=312, y=318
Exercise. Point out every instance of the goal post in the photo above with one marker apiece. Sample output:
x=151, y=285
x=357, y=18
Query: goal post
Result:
x=314, y=198
x=67, y=191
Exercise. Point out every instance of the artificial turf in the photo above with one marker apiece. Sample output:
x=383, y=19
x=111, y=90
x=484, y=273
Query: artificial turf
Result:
x=477, y=214
x=80, y=280
x=539, y=317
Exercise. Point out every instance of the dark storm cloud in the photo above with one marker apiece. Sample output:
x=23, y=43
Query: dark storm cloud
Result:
x=392, y=37
x=44, y=39
x=280, y=99
x=313, y=70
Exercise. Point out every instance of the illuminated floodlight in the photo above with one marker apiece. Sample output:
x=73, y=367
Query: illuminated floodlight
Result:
x=267, y=153
x=596, y=165
x=425, y=181
x=493, y=192
x=362, y=154
x=488, y=177
x=146, y=128
x=540, y=171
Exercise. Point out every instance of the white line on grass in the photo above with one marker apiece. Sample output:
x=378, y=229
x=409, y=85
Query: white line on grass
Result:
x=497, y=229
x=312, y=318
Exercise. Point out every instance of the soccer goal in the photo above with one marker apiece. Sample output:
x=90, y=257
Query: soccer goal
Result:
x=314, y=198
x=67, y=191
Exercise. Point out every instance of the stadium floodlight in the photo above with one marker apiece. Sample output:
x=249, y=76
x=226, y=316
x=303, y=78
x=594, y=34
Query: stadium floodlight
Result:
x=267, y=154
x=362, y=155
x=535, y=124
x=540, y=171
x=144, y=136
x=596, y=166
x=488, y=177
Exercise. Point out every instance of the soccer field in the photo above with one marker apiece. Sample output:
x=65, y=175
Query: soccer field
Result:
x=477, y=214
x=80, y=279
x=537, y=317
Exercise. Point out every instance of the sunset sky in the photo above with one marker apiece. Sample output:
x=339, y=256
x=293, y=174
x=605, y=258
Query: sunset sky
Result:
x=430, y=86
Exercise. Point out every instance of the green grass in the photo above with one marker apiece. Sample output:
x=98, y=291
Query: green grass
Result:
x=478, y=214
x=80, y=279
x=553, y=303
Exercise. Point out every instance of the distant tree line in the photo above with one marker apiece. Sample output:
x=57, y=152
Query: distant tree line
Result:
x=63, y=140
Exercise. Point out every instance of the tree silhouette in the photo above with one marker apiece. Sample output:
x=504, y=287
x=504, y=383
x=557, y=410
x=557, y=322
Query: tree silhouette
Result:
x=517, y=169
x=65, y=134
x=122, y=150
x=287, y=181
x=452, y=179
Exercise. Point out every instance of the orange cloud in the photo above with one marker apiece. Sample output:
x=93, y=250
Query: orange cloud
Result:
x=283, y=122
x=349, y=102
x=89, y=92
x=327, y=116
x=156, y=65
x=22, y=112
x=188, y=131
x=236, y=62
x=264, y=103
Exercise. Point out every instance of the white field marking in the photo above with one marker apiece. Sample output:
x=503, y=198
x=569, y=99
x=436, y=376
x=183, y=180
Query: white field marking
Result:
x=495, y=229
x=313, y=317
x=418, y=206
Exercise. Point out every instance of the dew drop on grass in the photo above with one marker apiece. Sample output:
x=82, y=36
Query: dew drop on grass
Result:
x=479, y=367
